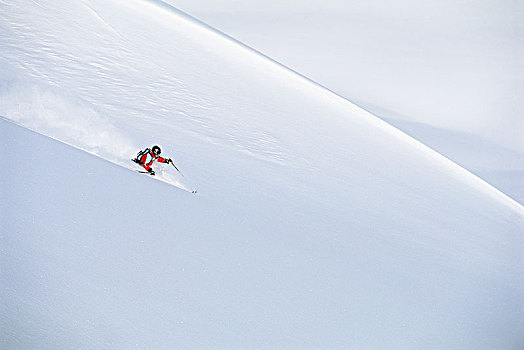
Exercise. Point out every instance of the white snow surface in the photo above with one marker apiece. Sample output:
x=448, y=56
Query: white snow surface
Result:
x=315, y=225
x=449, y=73
x=452, y=64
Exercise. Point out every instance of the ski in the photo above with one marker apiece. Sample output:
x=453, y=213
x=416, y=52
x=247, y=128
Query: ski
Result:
x=135, y=160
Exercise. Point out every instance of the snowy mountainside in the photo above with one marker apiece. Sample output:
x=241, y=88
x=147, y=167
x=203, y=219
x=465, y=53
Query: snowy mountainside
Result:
x=500, y=166
x=454, y=65
x=447, y=64
x=316, y=224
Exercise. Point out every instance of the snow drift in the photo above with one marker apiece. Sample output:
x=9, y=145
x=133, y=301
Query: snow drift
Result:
x=316, y=224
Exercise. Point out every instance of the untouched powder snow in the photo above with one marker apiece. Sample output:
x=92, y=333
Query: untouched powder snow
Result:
x=499, y=166
x=445, y=72
x=452, y=64
x=316, y=224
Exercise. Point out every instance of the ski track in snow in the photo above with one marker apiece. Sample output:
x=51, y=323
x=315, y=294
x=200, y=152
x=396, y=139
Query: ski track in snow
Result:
x=102, y=20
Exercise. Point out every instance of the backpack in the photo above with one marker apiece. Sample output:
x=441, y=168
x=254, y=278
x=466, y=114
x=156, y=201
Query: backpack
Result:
x=140, y=154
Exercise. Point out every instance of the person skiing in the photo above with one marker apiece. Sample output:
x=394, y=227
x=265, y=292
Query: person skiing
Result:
x=148, y=156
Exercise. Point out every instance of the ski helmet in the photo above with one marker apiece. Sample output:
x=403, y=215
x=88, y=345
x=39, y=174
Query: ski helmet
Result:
x=156, y=150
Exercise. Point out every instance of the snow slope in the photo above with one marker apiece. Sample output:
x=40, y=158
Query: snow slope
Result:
x=452, y=64
x=436, y=65
x=500, y=166
x=316, y=224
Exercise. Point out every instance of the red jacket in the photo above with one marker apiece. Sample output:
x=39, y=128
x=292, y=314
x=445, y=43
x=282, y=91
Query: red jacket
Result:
x=147, y=160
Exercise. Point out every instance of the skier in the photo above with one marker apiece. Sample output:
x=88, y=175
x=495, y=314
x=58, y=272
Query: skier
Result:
x=148, y=156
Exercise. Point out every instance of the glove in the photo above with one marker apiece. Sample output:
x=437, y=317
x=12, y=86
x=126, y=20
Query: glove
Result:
x=151, y=172
x=169, y=160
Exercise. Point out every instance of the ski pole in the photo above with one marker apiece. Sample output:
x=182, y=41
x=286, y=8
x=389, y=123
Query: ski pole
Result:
x=173, y=164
